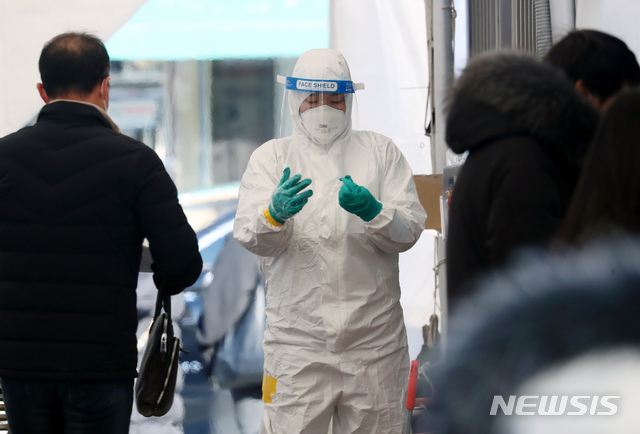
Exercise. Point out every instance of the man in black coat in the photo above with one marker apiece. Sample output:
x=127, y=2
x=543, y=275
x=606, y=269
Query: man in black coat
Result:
x=526, y=130
x=77, y=199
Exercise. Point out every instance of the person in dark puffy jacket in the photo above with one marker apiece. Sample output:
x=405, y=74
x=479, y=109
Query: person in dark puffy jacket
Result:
x=77, y=199
x=525, y=129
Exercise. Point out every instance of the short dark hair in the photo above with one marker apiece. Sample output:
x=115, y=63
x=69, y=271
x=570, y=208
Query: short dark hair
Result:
x=73, y=62
x=603, y=62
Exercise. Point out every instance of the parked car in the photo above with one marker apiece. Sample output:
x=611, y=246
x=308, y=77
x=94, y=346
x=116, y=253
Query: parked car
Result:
x=203, y=314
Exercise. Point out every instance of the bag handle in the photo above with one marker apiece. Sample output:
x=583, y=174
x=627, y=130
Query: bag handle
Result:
x=163, y=298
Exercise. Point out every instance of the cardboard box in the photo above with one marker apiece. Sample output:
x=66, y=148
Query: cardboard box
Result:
x=429, y=191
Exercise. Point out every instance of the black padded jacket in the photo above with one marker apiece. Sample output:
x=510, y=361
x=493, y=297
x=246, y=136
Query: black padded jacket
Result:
x=526, y=130
x=77, y=199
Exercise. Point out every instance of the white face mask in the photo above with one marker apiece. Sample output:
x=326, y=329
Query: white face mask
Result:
x=323, y=123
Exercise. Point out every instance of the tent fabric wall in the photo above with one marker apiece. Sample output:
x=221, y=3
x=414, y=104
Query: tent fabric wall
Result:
x=617, y=17
x=25, y=26
x=385, y=44
x=563, y=18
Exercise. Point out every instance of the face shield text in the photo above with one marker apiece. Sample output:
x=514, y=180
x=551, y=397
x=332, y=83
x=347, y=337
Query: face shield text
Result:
x=317, y=86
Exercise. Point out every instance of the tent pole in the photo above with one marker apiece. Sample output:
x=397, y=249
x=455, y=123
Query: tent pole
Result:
x=440, y=15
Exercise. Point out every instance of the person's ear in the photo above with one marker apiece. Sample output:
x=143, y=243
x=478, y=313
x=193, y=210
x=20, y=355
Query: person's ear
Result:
x=42, y=93
x=582, y=89
x=104, y=92
x=104, y=87
x=579, y=86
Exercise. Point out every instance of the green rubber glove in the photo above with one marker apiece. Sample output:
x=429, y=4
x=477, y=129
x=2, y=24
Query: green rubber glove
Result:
x=288, y=198
x=358, y=200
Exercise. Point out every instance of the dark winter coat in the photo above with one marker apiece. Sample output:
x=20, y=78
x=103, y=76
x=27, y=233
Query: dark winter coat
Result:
x=526, y=130
x=77, y=199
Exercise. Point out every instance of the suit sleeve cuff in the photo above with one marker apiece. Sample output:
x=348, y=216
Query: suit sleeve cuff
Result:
x=270, y=218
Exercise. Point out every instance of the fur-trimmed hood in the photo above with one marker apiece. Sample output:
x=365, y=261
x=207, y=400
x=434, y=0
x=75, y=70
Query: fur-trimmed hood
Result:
x=504, y=94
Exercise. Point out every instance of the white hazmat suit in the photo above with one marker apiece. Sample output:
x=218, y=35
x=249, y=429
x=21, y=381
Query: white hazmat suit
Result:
x=335, y=343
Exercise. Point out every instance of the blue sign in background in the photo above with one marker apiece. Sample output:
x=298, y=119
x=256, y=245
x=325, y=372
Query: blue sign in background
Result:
x=222, y=29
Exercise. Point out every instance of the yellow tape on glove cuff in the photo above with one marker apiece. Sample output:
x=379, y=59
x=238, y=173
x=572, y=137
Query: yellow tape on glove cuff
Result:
x=270, y=219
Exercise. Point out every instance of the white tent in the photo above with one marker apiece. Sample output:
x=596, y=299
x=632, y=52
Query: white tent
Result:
x=617, y=17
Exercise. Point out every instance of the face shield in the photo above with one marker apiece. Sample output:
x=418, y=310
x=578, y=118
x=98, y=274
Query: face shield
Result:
x=319, y=97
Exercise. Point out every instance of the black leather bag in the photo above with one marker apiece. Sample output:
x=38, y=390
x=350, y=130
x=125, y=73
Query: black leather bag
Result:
x=156, y=383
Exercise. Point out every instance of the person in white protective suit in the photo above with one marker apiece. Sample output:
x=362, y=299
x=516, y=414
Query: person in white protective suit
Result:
x=328, y=210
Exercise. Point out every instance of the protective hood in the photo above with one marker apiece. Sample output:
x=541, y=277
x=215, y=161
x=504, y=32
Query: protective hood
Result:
x=507, y=94
x=319, y=64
